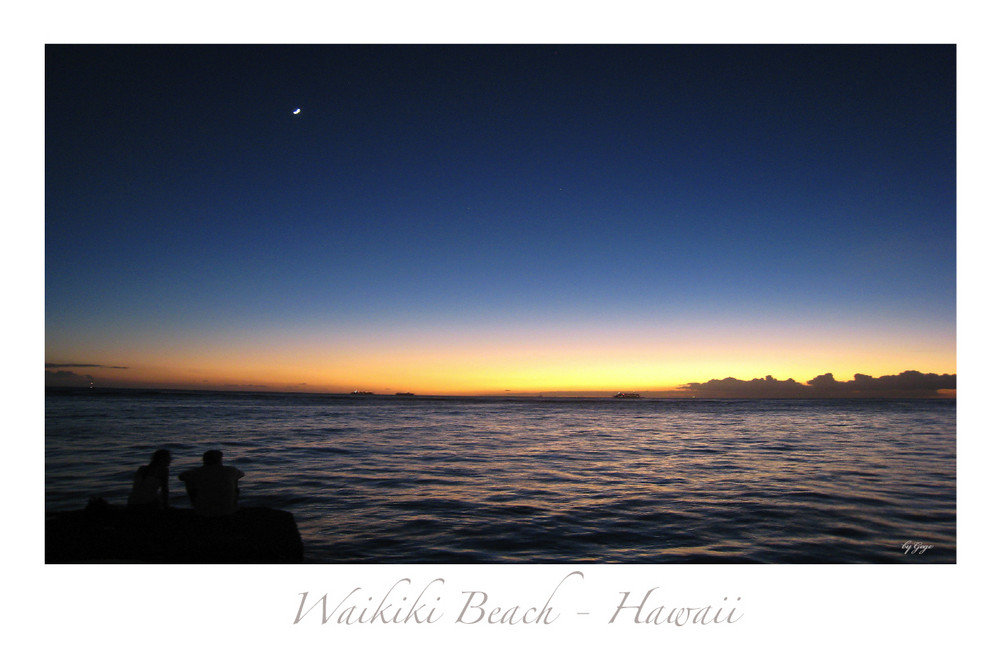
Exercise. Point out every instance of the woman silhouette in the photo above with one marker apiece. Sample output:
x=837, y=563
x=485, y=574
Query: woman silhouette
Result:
x=149, y=486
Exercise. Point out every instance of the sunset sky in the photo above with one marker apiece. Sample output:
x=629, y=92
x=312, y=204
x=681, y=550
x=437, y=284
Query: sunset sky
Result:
x=480, y=219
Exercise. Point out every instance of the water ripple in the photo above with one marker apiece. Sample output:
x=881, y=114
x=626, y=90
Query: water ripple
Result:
x=477, y=480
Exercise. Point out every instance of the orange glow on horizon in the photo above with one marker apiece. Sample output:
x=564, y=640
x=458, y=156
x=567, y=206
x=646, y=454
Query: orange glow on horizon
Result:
x=498, y=371
x=463, y=360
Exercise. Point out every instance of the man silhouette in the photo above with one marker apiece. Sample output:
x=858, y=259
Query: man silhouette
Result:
x=213, y=487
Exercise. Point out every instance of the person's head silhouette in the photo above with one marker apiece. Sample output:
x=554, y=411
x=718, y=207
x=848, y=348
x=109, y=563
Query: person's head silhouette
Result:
x=212, y=457
x=161, y=459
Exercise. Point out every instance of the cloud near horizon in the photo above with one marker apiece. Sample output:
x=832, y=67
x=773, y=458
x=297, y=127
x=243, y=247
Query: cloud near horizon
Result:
x=908, y=384
x=67, y=378
x=51, y=365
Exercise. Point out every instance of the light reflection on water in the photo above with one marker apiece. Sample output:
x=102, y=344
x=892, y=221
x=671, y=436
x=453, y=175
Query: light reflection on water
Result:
x=478, y=480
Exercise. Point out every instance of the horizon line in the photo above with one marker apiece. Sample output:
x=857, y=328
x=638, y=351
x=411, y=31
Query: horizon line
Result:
x=905, y=384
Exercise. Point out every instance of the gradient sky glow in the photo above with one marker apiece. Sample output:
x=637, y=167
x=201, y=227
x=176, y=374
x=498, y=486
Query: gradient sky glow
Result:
x=479, y=219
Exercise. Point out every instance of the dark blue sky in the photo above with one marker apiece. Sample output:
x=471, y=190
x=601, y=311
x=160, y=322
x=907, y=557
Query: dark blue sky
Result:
x=530, y=196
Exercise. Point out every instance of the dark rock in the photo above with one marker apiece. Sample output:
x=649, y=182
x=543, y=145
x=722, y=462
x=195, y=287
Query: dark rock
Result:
x=104, y=533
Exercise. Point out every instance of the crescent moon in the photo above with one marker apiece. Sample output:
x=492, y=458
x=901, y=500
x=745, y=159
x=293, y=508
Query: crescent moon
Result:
x=296, y=112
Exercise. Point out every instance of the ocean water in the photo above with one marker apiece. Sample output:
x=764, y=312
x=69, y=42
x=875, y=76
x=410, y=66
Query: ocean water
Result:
x=389, y=479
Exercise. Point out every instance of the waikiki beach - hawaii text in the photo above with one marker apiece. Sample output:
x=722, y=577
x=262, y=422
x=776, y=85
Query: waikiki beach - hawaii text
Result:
x=406, y=603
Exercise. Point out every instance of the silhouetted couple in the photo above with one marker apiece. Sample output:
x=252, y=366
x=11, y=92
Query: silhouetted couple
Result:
x=213, y=488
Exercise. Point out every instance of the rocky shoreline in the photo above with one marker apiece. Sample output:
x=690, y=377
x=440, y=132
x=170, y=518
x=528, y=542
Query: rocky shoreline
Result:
x=104, y=533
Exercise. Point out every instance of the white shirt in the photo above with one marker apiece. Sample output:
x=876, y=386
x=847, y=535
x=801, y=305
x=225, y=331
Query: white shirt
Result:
x=212, y=489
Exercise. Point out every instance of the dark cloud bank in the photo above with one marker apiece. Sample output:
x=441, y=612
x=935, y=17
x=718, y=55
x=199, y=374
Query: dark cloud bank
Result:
x=49, y=365
x=908, y=384
x=66, y=379
x=57, y=376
